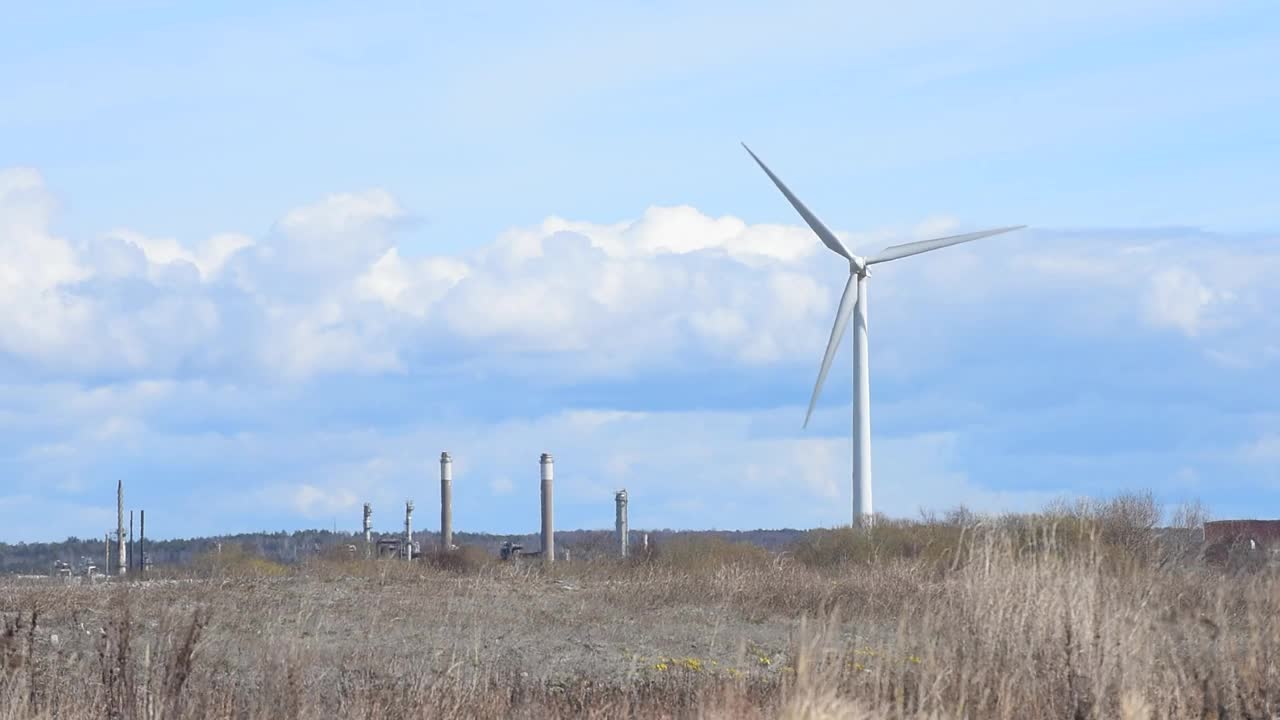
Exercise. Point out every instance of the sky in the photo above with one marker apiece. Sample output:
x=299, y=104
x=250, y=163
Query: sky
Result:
x=265, y=261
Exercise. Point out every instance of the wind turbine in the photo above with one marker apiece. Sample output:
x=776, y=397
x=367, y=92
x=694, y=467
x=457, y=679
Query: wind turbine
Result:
x=854, y=302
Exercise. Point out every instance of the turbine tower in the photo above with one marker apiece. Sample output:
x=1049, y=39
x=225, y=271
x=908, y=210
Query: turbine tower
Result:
x=854, y=302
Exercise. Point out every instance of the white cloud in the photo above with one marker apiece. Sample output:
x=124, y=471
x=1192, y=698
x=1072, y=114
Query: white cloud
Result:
x=38, y=321
x=328, y=291
x=1177, y=298
x=675, y=230
x=340, y=214
x=208, y=257
x=313, y=502
x=1265, y=449
x=413, y=286
x=239, y=340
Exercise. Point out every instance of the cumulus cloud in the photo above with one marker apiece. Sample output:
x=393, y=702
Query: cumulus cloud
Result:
x=321, y=362
x=38, y=320
x=207, y=257
x=327, y=290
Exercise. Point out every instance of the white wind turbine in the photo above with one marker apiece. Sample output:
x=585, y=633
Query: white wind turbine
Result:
x=859, y=269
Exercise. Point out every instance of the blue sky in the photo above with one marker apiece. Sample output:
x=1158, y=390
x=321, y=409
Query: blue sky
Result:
x=266, y=261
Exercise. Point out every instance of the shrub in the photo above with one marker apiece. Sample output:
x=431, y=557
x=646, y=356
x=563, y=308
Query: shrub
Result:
x=931, y=542
x=464, y=560
x=234, y=561
x=689, y=552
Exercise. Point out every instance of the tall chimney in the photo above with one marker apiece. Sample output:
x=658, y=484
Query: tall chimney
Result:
x=548, y=524
x=106, y=569
x=142, y=541
x=620, y=520
x=446, y=502
x=408, y=529
x=368, y=529
x=122, y=552
x=133, y=549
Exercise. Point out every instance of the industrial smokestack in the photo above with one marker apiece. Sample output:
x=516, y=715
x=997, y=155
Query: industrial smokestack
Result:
x=122, y=552
x=133, y=549
x=446, y=502
x=620, y=520
x=142, y=541
x=368, y=529
x=548, y=523
x=408, y=529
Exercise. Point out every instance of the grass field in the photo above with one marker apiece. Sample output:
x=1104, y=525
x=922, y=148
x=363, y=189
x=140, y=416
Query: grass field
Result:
x=1067, y=615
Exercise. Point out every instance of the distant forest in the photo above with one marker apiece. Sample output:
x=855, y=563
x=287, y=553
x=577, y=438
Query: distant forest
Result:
x=297, y=546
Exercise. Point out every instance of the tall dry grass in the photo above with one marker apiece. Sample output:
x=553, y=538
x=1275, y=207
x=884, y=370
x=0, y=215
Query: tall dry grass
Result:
x=1074, y=613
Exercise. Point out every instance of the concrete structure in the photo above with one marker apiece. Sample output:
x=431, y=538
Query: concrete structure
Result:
x=446, y=502
x=390, y=547
x=548, y=519
x=853, y=306
x=408, y=529
x=122, y=552
x=620, y=520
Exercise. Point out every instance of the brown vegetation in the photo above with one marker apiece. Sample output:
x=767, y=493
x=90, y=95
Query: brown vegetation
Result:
x=1078, y=612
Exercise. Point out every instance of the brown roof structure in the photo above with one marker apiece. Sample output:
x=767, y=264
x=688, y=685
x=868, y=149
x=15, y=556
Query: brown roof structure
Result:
x=1262, y=532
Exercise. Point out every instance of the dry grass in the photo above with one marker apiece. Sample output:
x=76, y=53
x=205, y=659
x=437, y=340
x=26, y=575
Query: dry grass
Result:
x=1071, y=614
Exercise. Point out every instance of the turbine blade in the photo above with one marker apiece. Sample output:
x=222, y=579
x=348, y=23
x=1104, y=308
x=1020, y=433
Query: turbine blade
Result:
x=837, y=332
x=827, y=237
x=915, y=248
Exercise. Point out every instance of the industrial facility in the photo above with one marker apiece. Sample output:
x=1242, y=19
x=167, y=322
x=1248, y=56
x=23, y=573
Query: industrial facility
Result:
x=1255, y=542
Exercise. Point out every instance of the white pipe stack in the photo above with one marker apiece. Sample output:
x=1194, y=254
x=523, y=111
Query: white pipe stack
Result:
x=368, y=529
x=548, y=524
x=122, y=547
x=620, y=521
x=408, y=529
x=446, y=502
